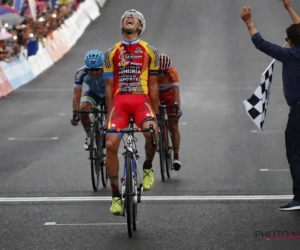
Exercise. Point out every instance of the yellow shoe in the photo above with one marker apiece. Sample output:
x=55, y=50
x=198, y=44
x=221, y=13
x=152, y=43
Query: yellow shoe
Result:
x=148, y=179
x=116, y=206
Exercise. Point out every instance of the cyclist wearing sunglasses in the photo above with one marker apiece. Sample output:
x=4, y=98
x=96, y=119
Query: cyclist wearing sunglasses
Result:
x=92, y=75
x=168, y=82
x=130, y=72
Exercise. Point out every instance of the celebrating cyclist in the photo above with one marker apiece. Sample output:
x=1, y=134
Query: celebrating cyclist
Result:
x=168, y=82
x=130, y=72
x=92, y=75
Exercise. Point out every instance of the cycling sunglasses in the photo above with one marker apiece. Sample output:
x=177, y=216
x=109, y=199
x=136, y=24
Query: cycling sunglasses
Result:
x=94, y=69
x=132, y=14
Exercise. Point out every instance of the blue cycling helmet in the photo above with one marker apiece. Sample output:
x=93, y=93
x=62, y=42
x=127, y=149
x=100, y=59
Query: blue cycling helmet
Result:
x=94, y=59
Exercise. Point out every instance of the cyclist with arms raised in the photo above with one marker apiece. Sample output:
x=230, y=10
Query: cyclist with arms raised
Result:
x=130, y=72
x=168, y=82
x=92, y=75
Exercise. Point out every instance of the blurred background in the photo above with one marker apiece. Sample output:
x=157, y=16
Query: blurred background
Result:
x=24, y=23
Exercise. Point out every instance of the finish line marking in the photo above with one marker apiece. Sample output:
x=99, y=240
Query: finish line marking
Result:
x=273, y=170
x=151, y=198
x=84, y=224
x=32, y=139
x=266, y=131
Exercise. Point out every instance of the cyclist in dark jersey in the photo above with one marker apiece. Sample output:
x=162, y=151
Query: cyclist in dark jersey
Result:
x=92, y=75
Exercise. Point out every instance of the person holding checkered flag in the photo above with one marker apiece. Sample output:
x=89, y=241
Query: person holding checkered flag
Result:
x=290, y=59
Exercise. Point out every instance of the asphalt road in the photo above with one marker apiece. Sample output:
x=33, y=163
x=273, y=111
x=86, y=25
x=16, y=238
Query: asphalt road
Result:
x=221, y=151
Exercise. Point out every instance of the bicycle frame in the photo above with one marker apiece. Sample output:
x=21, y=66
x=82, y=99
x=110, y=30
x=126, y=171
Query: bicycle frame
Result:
x=131, y=147
x=164, y=143
x=97, y=142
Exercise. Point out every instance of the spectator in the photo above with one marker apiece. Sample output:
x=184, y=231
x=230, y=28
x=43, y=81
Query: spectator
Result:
x=46, y=22
x=290, y=58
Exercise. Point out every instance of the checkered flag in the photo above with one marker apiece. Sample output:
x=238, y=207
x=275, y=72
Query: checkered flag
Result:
x=256, y=106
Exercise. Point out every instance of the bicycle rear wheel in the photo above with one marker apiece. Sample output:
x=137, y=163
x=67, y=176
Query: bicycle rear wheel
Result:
x=129, y=197
x=95, y=160
x=168, y=150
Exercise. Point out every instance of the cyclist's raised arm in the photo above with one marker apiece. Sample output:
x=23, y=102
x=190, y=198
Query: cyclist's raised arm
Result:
x=108, y=75
x=293, y=14
x=153, y=78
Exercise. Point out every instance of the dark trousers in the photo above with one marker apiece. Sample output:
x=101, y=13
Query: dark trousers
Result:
x=292, y=144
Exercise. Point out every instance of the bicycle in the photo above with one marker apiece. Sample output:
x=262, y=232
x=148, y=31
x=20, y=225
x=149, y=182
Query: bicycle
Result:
x=165, y=150
x=97, y=145
x=132, y=186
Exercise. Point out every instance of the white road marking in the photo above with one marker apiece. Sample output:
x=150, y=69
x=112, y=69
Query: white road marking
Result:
x=184, y=88
x=138, y=154
x=32, y=139
x=273, y=170
x=45, y=90
x=217, y=87
x=150, y=198
x=84, y=224
x=266, y=131
x=183, y=123
x=49, y=223
x=62, y=114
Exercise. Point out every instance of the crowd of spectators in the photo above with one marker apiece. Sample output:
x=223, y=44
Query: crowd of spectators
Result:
x=14, y=37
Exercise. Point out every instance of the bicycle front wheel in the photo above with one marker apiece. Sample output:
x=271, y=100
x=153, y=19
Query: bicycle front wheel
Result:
x=135, y=197
x=168, y=150
x=95, y=161
x=104, y=175
x=129, y=192
x=162, y=153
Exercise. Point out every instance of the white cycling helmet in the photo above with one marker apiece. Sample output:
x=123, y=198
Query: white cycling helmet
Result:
x=135, y=14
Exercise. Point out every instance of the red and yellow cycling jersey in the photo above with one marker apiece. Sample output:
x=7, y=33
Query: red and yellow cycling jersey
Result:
x=130, y=64
x=167, y=81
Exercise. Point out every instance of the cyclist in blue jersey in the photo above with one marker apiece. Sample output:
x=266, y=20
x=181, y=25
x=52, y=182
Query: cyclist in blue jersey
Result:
x=92, y=75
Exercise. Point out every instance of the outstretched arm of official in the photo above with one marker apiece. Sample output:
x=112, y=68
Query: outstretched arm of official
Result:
x=277, y=52
x=293, y=14
x=154, y=93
